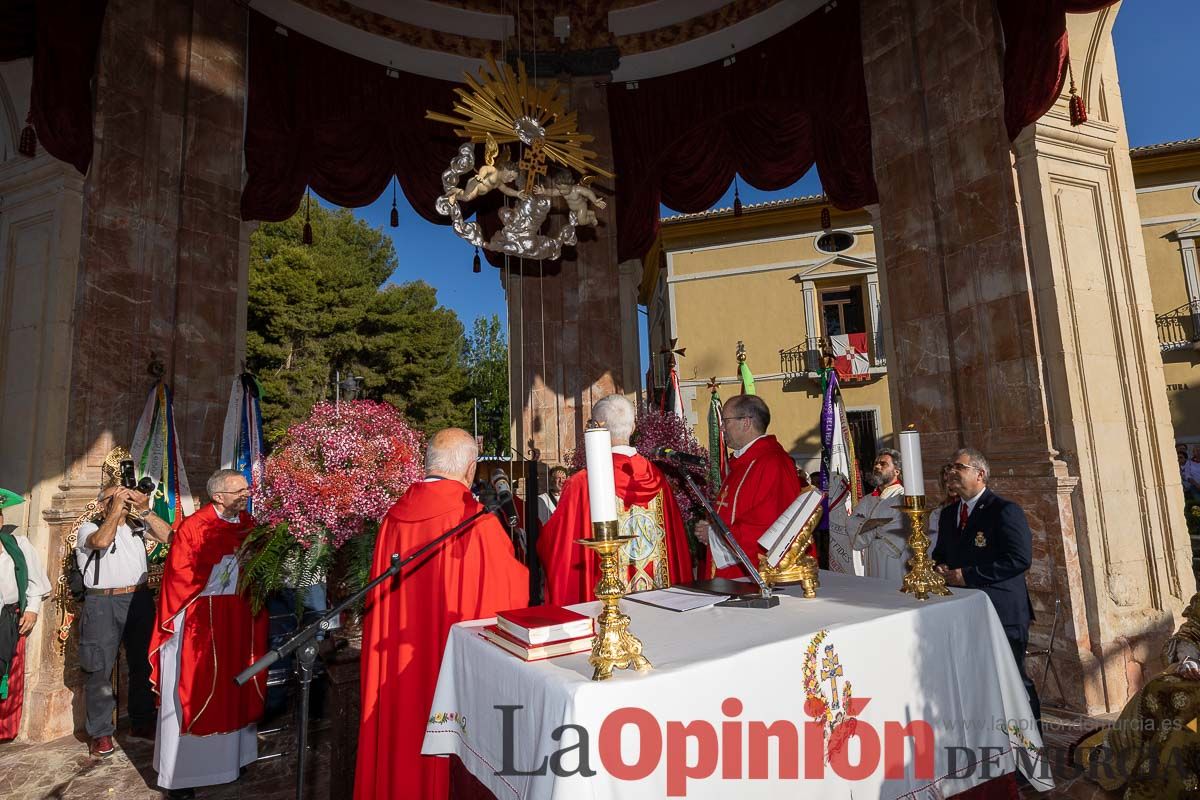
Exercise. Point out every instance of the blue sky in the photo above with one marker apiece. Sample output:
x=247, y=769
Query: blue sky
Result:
x=1156, y=52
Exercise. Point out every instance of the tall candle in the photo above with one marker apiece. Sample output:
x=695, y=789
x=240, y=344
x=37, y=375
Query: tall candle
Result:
x=912, y=473
x=602, y=491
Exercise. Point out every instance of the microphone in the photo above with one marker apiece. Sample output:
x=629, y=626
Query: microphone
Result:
x=673, y=455
x=504, y=496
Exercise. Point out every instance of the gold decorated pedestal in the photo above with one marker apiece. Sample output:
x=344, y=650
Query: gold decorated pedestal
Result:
x=614, y=647
x=921, y=580
x=796, y=566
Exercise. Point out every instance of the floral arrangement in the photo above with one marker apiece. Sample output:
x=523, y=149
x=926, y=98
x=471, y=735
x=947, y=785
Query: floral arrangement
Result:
x=331, y=480
x=654, y=429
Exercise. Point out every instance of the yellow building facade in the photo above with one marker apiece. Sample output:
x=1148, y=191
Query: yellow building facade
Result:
x=1168, y=194
x=787, y=287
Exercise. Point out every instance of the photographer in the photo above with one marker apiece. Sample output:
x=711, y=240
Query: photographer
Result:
x=118, y=608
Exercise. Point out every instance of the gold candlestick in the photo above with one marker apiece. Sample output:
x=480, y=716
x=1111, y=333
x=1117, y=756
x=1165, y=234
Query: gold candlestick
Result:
x=921, y=579
x=614, y=646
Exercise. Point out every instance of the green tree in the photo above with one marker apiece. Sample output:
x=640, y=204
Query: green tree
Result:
x=409, y=355
x=316, y=309
x=485, y=359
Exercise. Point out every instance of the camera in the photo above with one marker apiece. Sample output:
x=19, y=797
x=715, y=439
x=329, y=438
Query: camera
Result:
x=145, y=485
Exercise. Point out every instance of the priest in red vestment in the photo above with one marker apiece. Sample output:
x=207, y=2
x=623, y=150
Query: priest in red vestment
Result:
x=759, y=483
x=470, y=576
x=646, y=508
x=204, y=635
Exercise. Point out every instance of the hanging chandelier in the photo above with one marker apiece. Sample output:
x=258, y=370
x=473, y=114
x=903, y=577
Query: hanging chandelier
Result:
x=504, y=108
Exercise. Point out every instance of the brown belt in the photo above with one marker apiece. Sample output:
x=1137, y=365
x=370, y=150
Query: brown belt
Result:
x=120, y=590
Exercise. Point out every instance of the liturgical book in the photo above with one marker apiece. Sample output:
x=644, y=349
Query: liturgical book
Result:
x=783, y=531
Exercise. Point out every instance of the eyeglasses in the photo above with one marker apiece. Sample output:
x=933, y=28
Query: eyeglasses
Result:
x=963, y=467
x=238, y=493
x=731, y=419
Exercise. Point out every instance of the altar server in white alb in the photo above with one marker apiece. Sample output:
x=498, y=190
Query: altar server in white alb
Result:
x=876, y=527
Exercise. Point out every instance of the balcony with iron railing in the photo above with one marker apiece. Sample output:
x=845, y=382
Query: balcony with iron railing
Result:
x=1179, y=329
x=804, y=360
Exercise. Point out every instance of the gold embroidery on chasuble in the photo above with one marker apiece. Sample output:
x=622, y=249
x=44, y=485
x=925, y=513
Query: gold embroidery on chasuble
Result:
x=643, y=562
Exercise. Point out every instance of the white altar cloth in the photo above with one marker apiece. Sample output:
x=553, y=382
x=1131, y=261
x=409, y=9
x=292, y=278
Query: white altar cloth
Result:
x=945, y=661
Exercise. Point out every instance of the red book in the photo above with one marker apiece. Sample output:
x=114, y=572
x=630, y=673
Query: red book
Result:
x=528, y=652
x=544, y=624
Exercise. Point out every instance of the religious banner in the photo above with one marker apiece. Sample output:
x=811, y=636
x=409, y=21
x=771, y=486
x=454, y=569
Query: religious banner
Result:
x=156, y=454
x=676, y=394
x=242, y=437
x=839, y=479
x=716, y=440
x=850, y=357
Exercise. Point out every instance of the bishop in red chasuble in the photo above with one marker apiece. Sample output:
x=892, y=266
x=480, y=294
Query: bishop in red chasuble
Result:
x=646, y=509
x=759, y=483
x=204, y=635
x=472, y=575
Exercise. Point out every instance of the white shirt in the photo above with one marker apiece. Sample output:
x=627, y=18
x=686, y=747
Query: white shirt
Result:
x=124, y=567
x=742, y=450
x=970, y=504
x=546, y=506
x=624, y=450
x=38, y=585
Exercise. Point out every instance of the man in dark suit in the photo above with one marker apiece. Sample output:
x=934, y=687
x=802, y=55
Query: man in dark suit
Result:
x=984, y=543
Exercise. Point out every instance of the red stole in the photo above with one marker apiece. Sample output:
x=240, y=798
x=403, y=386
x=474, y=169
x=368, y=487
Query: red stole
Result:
x=470, y=576
x=220, y=637
x=571, y=571
x=758, y=486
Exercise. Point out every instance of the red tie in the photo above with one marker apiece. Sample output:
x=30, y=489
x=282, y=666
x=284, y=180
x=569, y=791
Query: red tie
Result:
x=962, y=516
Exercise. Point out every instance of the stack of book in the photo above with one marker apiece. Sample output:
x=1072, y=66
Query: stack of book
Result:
x=541, y=632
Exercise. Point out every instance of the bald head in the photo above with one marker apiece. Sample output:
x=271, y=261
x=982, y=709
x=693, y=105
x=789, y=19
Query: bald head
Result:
x=617, y=414
x=451, y=453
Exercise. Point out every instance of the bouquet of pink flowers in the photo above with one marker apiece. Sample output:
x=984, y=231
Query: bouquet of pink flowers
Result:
x=328, y=484
x=339, y=470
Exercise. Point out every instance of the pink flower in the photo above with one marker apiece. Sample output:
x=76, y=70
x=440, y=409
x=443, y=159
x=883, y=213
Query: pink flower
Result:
x=338, y=470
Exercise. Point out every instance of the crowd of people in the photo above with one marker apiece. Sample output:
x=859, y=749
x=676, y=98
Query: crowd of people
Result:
x=188, y=643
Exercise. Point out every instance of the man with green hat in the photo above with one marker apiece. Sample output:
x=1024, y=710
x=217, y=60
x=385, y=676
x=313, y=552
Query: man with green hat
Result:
x=23, y=584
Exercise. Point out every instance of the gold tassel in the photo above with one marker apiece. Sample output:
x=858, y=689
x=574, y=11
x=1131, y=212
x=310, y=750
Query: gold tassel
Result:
x=1075, y=104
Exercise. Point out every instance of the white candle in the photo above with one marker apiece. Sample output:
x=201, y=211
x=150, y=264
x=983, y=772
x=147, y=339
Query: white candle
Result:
x=602, y=491
x=910, y=459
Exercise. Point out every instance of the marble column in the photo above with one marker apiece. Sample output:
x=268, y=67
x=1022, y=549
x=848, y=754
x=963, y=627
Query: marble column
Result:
x=158, y=275
x=566, y=320
x=1003, y=291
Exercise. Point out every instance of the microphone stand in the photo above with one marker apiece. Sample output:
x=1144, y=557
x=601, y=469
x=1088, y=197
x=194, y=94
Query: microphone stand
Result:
x=765, y=598
x=305, y=642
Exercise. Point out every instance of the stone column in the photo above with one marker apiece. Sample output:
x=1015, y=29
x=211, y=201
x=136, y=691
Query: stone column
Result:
x=566, y=320
x=992, y=336
x=156, y=271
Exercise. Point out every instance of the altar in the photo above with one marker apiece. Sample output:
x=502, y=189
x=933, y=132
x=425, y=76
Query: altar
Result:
x=863, y=692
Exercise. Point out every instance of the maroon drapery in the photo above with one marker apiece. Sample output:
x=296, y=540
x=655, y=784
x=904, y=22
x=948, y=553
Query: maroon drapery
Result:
x=1035, y=55
x=323, y=118
x=63, y=37
x=792, y=100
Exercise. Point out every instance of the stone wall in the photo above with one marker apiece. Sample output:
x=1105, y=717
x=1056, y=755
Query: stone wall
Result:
x=143, y=261
x=1021, y=325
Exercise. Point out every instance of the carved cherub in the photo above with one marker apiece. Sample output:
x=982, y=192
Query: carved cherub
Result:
x=577, y=196
x=489, y=176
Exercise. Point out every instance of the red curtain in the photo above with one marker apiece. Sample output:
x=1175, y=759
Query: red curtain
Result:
x=63, y=37
x=1035, y=55
x=795, y=99
x=323, y=118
